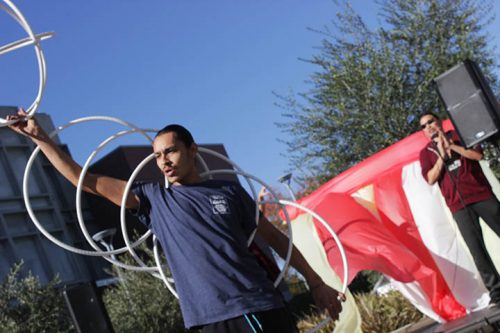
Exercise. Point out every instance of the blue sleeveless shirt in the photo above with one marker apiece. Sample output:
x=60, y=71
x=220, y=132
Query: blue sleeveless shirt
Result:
x=203, y=229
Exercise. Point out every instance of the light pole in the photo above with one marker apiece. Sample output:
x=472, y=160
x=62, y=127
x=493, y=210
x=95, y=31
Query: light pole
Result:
x=101, y=238
x=105, y=238
x=285, y=180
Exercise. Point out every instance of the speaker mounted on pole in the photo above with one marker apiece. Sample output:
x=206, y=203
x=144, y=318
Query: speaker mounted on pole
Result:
x=470, y=103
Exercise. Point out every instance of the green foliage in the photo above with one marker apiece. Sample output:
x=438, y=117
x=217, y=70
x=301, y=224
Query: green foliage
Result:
x=379, y=314
x=141, y=303
x=385, y=313
x=492, y=155
x=370, y=86
x=311, y=320
x=364, y=282
x=26, y=306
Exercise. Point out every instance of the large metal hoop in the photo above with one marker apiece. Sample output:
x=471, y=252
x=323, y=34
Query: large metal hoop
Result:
x=290, y=236
x=27, y=198
x=12, y=10
x=236, y=167
x=139, y=167
x=341, y=249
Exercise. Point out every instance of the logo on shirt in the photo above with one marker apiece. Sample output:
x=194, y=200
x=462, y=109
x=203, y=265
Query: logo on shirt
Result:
x=454, y=165
x=219, y=204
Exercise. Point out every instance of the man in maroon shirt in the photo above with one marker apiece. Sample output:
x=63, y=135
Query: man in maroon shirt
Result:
x=466, y=191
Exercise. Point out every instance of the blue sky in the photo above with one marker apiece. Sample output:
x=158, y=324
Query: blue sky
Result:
x=210, y=65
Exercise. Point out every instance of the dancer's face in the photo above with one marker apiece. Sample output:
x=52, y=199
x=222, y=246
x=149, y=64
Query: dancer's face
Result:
x=430, y=125
x=175, y=160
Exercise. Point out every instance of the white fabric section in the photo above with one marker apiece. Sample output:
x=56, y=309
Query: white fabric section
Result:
x=307, y=241
x=366, y=198
x=442, y=237
x=490, y=238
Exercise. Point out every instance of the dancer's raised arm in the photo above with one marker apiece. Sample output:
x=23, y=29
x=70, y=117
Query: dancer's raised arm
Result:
x=107, y=187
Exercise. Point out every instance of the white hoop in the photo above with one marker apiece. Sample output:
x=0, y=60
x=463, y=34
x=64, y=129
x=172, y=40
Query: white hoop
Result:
x=142, y=266
x=106, y=254
x=341, y=249
x=289, y=225
x=24, y=42
x=79, y=212
x=32, y=39
x=334, y=235
x=33, y=216
x=141, y=166
x=136, y=171
x=287, y=262
x=250, y=184
x=168, y=281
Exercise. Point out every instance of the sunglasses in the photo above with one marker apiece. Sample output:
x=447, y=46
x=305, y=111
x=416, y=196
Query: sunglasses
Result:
x=430, y=121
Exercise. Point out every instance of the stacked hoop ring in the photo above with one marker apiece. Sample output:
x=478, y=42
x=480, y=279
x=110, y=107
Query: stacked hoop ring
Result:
x=12, y=10
x=130, y=246
x=157, y=271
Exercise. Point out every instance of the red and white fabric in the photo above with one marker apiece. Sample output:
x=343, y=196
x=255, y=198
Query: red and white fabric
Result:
x=390, y=220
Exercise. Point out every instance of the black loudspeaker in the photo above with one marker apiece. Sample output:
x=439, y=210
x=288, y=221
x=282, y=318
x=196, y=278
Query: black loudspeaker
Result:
x=470, y=103
x=87, y=309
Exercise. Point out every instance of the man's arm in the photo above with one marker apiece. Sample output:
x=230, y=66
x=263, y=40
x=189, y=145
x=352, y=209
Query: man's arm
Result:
x=107, y=187
x=435, y=172
x=445, y=146
x=471, y=154
x=324, y=296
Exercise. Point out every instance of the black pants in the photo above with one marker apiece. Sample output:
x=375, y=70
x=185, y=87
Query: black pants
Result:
x=272, y=321
x=468, y=222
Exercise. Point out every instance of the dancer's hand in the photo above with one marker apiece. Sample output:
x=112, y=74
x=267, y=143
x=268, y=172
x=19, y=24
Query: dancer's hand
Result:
x=262, y=193
x=27, y=127
x=329, y=299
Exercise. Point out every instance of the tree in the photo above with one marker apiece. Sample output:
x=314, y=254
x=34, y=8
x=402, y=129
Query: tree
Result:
x=26, y=306
x=372, y=85
x=141, y=302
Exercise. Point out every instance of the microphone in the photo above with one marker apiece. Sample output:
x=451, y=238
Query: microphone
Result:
x=434, y=135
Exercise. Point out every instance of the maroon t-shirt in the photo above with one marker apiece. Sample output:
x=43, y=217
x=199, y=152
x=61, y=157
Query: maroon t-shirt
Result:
x=464, y=176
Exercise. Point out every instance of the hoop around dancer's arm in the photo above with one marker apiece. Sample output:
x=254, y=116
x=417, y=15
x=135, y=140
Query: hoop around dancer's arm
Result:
x=341, y=250
x=289, y=225
x=40, y=227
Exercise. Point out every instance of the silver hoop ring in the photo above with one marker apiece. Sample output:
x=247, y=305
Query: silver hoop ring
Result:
x=12, y=10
